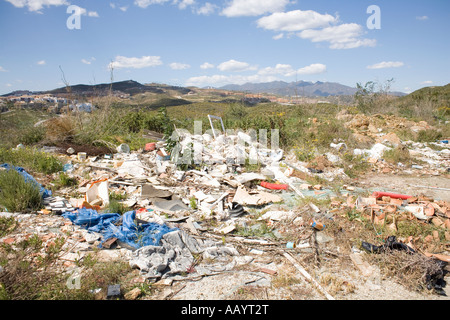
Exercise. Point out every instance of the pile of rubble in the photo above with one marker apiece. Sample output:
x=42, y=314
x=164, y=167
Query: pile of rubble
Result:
x=186, y=198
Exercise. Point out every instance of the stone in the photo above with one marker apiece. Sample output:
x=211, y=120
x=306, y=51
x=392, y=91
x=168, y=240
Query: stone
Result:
x=113, y=291
x=133, y=294
x=392, y=139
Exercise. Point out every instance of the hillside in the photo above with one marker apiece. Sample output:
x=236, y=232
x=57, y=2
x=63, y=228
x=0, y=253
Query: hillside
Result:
x=128, y=87
x=299, y=88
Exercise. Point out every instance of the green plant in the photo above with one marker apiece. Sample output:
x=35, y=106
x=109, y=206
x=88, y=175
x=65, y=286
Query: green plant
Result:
x=16, y=194
x=31, y=159
x=398, y=154
x=116, y=207
x=193, y=203
x=428, y=135
x=7, y=225
x=63, y=180
x=33, y=135
x=354, y=165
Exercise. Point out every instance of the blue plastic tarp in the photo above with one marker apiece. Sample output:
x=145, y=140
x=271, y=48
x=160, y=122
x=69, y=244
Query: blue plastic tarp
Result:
x=124, y=228
x=28, y=178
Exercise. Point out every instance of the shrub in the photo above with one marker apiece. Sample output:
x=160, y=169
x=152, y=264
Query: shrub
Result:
x=428, y=135
x=31, y=159
x=399, y=154
x=16, y=194
x=33, y=135
x=63, y=180
x=7, y=225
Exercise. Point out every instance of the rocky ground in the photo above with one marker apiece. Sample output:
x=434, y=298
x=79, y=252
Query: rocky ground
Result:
x=236, y=238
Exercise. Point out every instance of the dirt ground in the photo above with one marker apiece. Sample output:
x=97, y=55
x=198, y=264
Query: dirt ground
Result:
x=346, y=282
x=412, y=185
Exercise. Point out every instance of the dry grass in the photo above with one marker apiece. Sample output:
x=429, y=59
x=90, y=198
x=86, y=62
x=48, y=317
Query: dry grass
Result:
x=413, y=271
x=59, y=129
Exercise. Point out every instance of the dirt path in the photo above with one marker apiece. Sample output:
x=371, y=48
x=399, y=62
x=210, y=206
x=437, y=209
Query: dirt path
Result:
x=412, y=185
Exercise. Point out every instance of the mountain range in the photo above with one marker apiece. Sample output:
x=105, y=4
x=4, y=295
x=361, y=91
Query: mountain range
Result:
x=281, y=88
x=298, y=88
x=129, y=86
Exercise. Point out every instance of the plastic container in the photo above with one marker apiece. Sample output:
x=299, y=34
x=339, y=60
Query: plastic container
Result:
x=274, y=186
x=316, y=225
x=123, y=148
x=150, y=146
x=82, y=156
x=291, y=245
x=378, y=195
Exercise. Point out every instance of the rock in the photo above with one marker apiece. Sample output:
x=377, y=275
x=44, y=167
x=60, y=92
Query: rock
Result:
x=133, y=294
x=363, y=139
x=344, y=115
x=372, y=128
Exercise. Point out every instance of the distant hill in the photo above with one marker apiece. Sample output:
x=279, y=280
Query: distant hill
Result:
x=434, y=94
x=299, y=88
x=129, y=87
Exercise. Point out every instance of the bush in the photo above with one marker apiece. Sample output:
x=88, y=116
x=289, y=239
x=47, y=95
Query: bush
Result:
x=16, y=194
x=428, y=135
x=63, y=180
x=399, y=154
x=31, y=159
x=7, y=225
x=33, y=135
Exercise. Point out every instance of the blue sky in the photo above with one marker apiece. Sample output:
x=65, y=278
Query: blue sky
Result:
x=213, y=43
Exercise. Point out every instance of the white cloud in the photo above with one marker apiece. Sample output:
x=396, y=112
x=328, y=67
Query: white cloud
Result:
x=84, y=12
x=386, y=64
x=296, y=20
x=183, y=4
x=85, y=61
x=207, y=65
x=124, y=8
x=36, y=5
x=2, y=69
x=253, y=7
x=282, y=69
x=427, y=82
x=287, y=70
x=220, y=80
x=122, y=62
x=263, y=75
x=233, y=65
x=315, y=68
x=207, y=9
x=344, y=36
x=422, y=18
x=9, y=85
x=278, y=36
x=179, y=66
x=145, y=3
x=41, y=63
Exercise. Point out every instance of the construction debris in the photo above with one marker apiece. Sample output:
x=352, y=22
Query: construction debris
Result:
x=189, y=205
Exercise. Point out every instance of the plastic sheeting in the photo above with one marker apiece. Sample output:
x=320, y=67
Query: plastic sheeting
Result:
x=28, y=178
x=124, y=228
